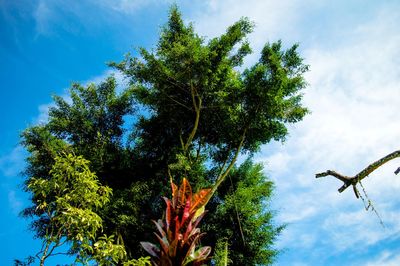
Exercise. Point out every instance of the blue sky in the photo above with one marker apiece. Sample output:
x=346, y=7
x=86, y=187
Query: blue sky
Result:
x=354, y=94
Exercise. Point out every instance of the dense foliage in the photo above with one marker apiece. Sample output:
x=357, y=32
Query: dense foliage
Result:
x=241, y=202
x=193, y=112
x=66, y=205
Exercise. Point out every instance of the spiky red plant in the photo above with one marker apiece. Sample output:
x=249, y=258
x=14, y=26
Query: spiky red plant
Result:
x=178, y=235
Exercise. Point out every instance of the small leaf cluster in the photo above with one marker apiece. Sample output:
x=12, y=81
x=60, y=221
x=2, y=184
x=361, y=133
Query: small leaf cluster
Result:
x=68, y=201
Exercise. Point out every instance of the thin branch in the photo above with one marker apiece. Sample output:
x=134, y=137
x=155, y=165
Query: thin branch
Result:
x=232, y=163
x=353, y=180
x=177, y=102
x=58, y=244
x=197, y=107
x=225, y=172
x=223, y=167
x=397, y=171
x=181, y=140
x=237, y=214
x=51, y=250
x=59, y=253
x=176, y=83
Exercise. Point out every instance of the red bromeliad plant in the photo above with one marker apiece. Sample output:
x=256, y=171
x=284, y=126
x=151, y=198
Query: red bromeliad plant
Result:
x=178, y=234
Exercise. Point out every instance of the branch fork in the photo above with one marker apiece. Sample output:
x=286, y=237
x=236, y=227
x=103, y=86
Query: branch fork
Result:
x=353, y=180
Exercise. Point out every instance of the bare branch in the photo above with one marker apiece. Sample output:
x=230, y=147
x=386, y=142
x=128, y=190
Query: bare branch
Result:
x=397, y=171
x=353, y=180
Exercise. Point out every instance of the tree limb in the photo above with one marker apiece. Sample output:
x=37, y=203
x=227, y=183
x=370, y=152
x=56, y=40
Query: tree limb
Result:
x=197, y=107
x=225, y=172
x=353, y=180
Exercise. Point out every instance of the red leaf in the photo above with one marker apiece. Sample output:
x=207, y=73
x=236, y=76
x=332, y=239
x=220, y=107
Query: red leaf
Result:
x=164, y=243
x=172, y=248
x=177, y=227
x=184, y=193
x=199, y=199
x=188, y=230
x=186, y=212
x=174, y=187
x=168, y=213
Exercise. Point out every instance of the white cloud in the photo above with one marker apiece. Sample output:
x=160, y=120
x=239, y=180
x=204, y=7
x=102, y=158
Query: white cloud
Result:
x=386, y=258
x=43, y=15
x=43, y=116
x=15, y=202
x=273, y=20
x=354, y=95
x=129, y=6
x=12, y=164
x=72, y=16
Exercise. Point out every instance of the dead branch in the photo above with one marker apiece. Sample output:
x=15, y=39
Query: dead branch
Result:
x=353, y=180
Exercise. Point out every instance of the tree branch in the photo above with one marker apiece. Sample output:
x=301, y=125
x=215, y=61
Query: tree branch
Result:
x=237, y=214
x=225, y=172
x=197, y=107
x=177, y=102
x=353, y=180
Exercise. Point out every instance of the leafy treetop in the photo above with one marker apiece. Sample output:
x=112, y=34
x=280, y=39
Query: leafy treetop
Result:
x=203, y=102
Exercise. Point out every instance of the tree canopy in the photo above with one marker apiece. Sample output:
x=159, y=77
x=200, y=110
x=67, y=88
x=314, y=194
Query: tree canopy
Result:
x=194, y=110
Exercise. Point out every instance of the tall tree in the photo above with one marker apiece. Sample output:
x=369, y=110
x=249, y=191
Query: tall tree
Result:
x=199, y=112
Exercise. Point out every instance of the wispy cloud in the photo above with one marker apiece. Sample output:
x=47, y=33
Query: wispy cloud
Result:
x=354, y=96
x=273, y=19
x=130, y=6
x=43, y=16
x=54, y=16
x=15, y=202
x=387, y=258
x=12, y=164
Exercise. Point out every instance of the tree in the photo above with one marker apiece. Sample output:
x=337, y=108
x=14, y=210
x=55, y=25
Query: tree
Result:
x=67, y=202
x=198, y=113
